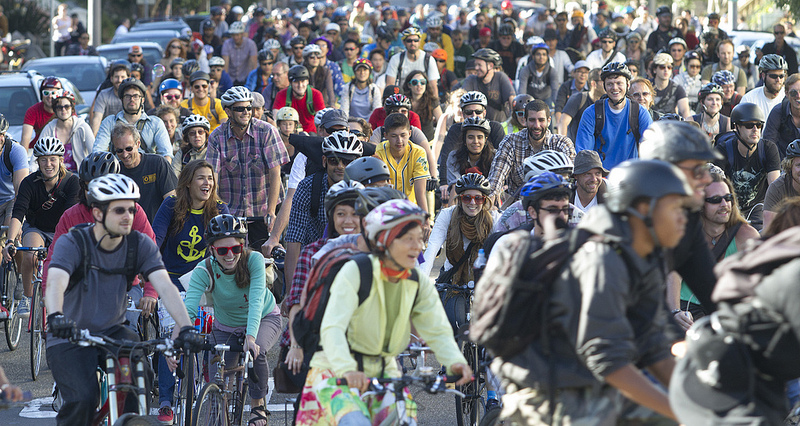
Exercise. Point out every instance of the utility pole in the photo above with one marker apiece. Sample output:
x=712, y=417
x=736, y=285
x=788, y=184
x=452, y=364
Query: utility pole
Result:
x=94, y=27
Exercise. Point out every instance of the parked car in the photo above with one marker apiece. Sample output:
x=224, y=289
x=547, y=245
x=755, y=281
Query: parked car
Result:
x=87, y=71
x=177, y=24
x=757, y=39
x=162, y=37
x=153, y=52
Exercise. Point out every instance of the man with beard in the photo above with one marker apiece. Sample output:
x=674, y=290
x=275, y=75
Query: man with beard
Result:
x=618, y=140
x=659, y=39
x=782, y=126
x=773, y=70
x=515, y=148
x=154, y=136
x=107, y=102
x=725, y=53
x=538, y=78
x=787, y=185
x=492, y=82
x=590, y=186
x=751, y=162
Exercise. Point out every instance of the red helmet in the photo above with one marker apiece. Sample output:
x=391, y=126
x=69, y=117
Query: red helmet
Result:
x=506, y=4
x=50, y=83
x=67, y=95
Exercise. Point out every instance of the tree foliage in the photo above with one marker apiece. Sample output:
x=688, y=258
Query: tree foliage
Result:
x=27, y=17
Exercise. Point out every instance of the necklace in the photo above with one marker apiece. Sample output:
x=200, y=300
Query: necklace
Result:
x=714, y=238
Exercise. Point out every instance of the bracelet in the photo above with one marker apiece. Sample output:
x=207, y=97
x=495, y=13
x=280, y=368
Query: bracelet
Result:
x=295, y=347
x=675, y=311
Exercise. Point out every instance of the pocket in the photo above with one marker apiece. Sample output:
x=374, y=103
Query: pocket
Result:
x=232, y=165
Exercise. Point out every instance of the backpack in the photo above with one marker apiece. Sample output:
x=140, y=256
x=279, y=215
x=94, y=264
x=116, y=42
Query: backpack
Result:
x=317, y=290
x=80, y=234
x=729, y=141
x=425, y=64
x=371, y=96
x=600, y=119
x=309, y=99
x=7, y=154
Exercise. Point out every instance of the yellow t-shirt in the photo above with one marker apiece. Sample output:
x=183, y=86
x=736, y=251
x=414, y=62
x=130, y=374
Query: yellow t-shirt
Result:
x=412, y=167
x=205, y=111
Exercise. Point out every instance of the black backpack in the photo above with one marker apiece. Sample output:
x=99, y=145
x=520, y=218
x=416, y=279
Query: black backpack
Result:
x=600, y=119
x=81, y=235
x=7, y=154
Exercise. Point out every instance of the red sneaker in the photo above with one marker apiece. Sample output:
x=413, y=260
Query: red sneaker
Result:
x=165, y=415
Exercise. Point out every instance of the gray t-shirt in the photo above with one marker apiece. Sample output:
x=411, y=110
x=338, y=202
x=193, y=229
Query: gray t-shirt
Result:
x=779, y=190
x=575, y=106
x=98, y=302
x=107, y=102
x=359, y=103
x=497, y=92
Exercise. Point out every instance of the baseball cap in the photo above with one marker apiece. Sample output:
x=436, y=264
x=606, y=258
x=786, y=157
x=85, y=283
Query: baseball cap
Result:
x=136, y=50
x=391, y=90
x=582, y=64
x=334, y=117
x=577, y=14
x=333, y=27
x=485, y=31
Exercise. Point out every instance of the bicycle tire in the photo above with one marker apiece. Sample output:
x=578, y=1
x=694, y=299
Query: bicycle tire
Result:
x=185, y=393
x=37, y=329
x=467, y=408
x=237, y=402
x=210, y=407
x=136, y=420
x=492, y=418
x=13, y=324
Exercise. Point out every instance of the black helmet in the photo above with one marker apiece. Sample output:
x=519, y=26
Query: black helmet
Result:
x=3, y=124
x=506, y=30
x=747, y=112
x=199, y=75
x=488, y=55
x=117, y=64
x=521, y=99
x=793, y=150
x=709, y=89
x=614, y=69
x=662, y=10
x=607, y=33
x=368, y=170
x=128, y=83
x=137, y=67
x=373, y=197
x=98, y=164
x=190, y=67
x=298, y=72
x=636, y=179
x=265, y=55
x=341, y=192
x=475, y=123
x=473, y=181
x=208, y=23
x=297, y=41
x=223, y=226
x=675, y=141
x=385, y=33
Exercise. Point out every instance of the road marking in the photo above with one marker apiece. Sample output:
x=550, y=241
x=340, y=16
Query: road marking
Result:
x=32, y=410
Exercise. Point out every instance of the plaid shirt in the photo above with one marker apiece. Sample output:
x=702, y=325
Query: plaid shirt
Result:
x=303, y=228
x=243, y=165
x=301, y=271
x=507, y=163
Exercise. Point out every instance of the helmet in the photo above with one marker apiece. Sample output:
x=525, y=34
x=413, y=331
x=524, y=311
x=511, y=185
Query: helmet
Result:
x=542, y=185
x=675, y=141
x=361, y=62
x=50, y=83
x=190, y=67
x=48, y=145
x=298, y=72
x=384, y=33
x=475, y=123
x=270, y=44
x=224, y=226
x=3, y=124
x=199, y=75
x=537, y=46
x=653, y=179
x=128, y=83
x=311, y=48
x=236, y=27
x=342, y=143
x=137, y=67
x=387, y=216
x=793, y=150
x=318, y=116
x=287, y=114
x=677, y=40
x=430, y=46
x=614, y=69
x=297, y=40
x=772, y=62
x=98, y=164
x=546, y=161
x=216, y=61
x=709, y=89
x=397, y=101
x=170, y=83
x=746, y=112
x=410, y=31
x=66, y=94
x=473, y=181
x=112, y=187
x=723, y=77
x=670, y=117
x=207, y=23
x=488, y=55
x=473, y=98
x=368, y=170
x=339, y=193
x=373, y=197
x=176, y=61
x=520, y=100
x=236, y=94
x=195, y=120
x=505, y=30
x=692, y=54
x=265, y=55
x=662, y=10
x=607, y=33
x=119, y=63
x=433, y=21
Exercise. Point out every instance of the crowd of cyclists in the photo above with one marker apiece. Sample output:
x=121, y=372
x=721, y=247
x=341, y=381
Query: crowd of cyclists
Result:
x=436, y=135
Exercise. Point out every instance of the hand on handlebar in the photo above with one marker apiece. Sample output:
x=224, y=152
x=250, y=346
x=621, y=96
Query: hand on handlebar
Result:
x=8, y=251
x=11, y=393
x=190, y=339
x=61, y=326
x=464, y=371
x=147, y=305
x=269, y=246
x=251, y=345
x=357, y=380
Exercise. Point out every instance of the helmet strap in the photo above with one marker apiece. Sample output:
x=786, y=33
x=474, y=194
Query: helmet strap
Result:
x=108, y=233
x=647, y=219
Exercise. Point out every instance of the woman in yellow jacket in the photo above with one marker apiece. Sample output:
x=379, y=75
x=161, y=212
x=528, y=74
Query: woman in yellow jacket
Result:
x=379, y=328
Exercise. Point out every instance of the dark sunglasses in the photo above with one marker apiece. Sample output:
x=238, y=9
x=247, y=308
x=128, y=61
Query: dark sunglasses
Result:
x=121, y=150
x=556, y=210
x=172, y=97
x=64, y=107
x=241, y=108
x=718, y=199
x=478, y=199
x=776, y=76
x=200, y=86
x=749, y=126
x=779, y=32
x=408, y=40
x=794, y=93
x=122, y=210
x=473, y=111
x=135, y=56
x=222, y=251
x=335, y=161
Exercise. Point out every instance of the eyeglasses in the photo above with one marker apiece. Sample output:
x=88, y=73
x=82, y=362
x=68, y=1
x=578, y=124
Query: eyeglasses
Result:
x=699, y=171
x=411, y=40
x=175, y=46
x=350, y=49
x=223, y=251
x=171, y=97
x=779, y=32
x=134, y=55
x=561, y=20
x=122, y=210
x=640, y=95
x=794, y=93
x=63, y=107
x=314, y=56
x=556, y=210
x=469, y=112
x=718, y=199
x=134, y=97
x=241, y=108
x=121, y=150
x=335, y=161
x=776, y=76
x=200, y=86
x=695, y=66
x=51, y=92
x=665, y=67
x=478, y=199
x=417, y=82
x=749, y=126
x=297, y=47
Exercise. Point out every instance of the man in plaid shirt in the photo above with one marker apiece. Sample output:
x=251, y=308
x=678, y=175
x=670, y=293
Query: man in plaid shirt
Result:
x=247, y=156
x=516, y=147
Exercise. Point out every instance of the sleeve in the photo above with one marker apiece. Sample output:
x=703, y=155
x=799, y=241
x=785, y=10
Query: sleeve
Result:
x=433, y=70
x=584, y=138
x=103, y=138
x=437, y=239
x=23, y=199
x=99, y=104
x=19, y=158
x=226, y=50
x=220, y=110
x=66, y=254
x=433, y=326
x=299, y=214
x=771, y=130
x=319, y=102
x=162, y=219
x=561, y=96
x=82, y=142
x=506, y=90
x=773, y=157
x=333, y=330
x=652, y=41
x=301, y=271
x=274, y=151
x=250, y=83
x=741, y=78
x=30, y=117
x=522, y=78
x=774, y=194
x=448, y=47
x=298, y=172
x=420, y=166
x=680, y=93
x=413, y=118
x=571, y=106
x=280, y=100
x=198, y=284
x=161, y=138
x=377, y=98
x=72, y=190
x=213, y=155
x=501, y=165
x=645, y=120
x=497, y=134
x=707, y=73
x=148, y=256
x=258, y=292
x=452, y=170
x=49, y=130
x=170, y=181
x=391, y=68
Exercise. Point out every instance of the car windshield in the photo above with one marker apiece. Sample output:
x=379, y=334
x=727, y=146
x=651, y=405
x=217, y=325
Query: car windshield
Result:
x=151, y=55
x=15, y=101
x=85, y=76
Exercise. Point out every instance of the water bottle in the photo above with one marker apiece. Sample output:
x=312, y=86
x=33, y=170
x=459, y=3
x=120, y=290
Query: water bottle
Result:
x=479, y=266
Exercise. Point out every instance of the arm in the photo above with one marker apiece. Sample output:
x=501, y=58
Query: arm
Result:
x=683, y=319
x=27, y=135
x=252, y=62
x=436, y=240
x=683, y=108
x=103, y=137
x=771, y=176
x=258, y=291
x=227, y=61
x=290, y=261
x=639, y=389
x=563, y=123
x=57, y=281
x=161, y=139
x=280, y=224
x=420, y=194
x=274, y=192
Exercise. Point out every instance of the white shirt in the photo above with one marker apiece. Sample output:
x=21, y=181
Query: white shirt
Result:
x=596, y=59
x=756, y=96
x=408, y=66
x=121, y=29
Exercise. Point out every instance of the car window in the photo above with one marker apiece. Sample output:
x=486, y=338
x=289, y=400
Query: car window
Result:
x=151, y=55
x=162, y=40
x=15, y=101
x=86, y=76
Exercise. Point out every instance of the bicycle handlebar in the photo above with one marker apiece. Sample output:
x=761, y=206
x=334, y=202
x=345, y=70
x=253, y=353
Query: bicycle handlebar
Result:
x=236, y=347
x=86, y=338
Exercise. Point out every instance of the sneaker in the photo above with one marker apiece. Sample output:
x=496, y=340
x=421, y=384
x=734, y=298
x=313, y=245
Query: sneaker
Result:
x=165, y=415
x=24, y=307
x=492, y=404
x=18, y=295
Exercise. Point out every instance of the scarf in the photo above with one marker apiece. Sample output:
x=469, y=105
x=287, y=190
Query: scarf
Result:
x=475, y=229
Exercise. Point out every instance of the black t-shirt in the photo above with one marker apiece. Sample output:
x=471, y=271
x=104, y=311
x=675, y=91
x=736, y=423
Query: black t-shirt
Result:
x=155, y=178
x=509, y=55
x=749, y=175
x=667, y=99
x=32, y=201
x=692, y=259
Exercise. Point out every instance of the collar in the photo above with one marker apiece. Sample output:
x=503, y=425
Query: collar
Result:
x=143, y=117
x=228, y=131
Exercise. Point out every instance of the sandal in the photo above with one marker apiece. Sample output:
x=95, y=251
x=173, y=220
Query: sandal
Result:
x=257, y=414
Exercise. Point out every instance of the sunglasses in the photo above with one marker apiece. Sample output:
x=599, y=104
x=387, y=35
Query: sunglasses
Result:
x=699, y=171
x=607, y=41
x=121, y=210
x=718, y=199
x=794, y=93
x=223, y=251
x=665, y=67
x=776, y=76
x=469, y=112
x=350, y=49
x=416, y=82
x=335, y=161
x=478, y=199
x=314, y=56
x=200, y=86
x=121, y=150
x=241, y=108
x=64, y=107
x=174, y=46
x=556, y=210
x=135, y=56
x=408, y=40
x=779, y=32
x=51, y=92
x=172, y=97
x=694, y=66
x=749, y=126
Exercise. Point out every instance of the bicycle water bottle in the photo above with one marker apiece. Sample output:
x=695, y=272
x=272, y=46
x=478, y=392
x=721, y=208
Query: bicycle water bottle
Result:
x=479, y=266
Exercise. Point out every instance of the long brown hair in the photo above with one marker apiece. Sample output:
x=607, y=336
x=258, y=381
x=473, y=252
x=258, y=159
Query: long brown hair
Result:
x=480, y=226
x=429, y=100
x=787, y=216
x=183, y=201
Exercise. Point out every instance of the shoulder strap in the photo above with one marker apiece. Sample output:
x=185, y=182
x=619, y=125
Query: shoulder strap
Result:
x=80, y=238
x=762, y=155
x=310, y=100
x=729, y=149
x=213, y=108
x=208, y=269
x=425, y=64
x=365, y=274
x=191, y=107
x=718, y=251
x=400, y=66
x=7, y=155
x=316, y=193
x=633, y=121
x=599, y=121
x=289, y=96
x=130, y=259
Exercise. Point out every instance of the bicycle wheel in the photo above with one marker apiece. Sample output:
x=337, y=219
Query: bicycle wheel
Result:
x=13, y=324
x=468, y=408
x=185, y=393
x=136, y=420
x=238, y=399
x=37, y=329
x=492, y=418
x=210, y=407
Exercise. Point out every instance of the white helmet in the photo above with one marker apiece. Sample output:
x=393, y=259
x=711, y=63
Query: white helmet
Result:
x=216, y=61
x=48, y=146
x=433, y=21
x=344, y=143
x=388, y=215
x=318, y=116
x=112, y=187
x=546, y=161
x=236, y=28
x=271, y=44
x=287, y=114
x=311, y=48
x=473, y=98
x=194, y=120
x=236, y=94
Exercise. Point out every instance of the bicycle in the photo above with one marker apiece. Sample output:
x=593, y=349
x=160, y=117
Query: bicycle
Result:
x=221, y=401
x=12, y=322
x=37, y=321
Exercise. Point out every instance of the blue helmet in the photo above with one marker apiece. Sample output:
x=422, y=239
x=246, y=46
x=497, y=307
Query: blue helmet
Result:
x=543, y=184
x=170, y=83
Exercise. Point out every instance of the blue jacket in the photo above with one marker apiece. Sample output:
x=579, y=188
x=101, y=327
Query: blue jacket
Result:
x=155, y=139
